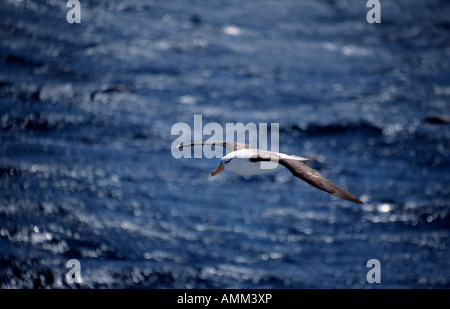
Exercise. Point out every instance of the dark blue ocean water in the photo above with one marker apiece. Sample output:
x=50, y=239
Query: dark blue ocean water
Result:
x=86, y=170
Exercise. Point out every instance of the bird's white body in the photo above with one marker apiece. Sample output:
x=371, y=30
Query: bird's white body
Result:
x=244, y=167
x=238, y=162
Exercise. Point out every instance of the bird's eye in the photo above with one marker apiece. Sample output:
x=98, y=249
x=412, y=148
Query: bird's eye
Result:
x=228, y=161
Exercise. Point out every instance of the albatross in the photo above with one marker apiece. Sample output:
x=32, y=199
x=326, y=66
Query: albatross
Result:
x=246, y=160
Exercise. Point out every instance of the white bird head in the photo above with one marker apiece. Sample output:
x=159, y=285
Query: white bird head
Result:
x=226, y=163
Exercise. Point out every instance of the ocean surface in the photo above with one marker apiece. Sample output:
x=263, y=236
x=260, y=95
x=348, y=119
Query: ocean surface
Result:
x=87, y=172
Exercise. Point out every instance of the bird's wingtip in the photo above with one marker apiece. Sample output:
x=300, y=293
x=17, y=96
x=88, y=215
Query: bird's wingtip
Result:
x=347, y=196
x=357, y=200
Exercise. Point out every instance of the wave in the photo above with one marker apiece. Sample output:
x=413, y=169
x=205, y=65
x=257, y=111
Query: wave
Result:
x=336, y=128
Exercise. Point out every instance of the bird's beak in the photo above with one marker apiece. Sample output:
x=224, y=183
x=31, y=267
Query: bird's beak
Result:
x=218, y=170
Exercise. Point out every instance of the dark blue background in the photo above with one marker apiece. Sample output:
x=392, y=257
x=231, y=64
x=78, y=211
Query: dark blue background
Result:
x=86, y=172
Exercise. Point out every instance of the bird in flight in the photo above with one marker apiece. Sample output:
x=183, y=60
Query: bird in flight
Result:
x=246, y=160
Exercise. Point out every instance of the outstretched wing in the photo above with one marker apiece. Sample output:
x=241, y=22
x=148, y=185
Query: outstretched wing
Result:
x=306, y=173
x=231, y=146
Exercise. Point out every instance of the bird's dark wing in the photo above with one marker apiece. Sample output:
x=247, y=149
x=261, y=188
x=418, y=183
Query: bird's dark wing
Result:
x=231, y=146
x=264, y=156
x=306, y=173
